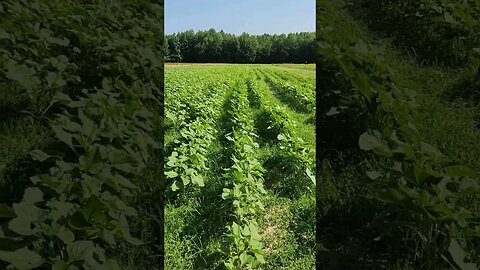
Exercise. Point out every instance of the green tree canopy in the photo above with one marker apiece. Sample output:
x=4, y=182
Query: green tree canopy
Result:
x=220, y=47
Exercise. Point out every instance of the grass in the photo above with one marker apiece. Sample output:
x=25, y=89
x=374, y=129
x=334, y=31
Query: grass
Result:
x=297, y=68
x=18, y=136
x=148, y=225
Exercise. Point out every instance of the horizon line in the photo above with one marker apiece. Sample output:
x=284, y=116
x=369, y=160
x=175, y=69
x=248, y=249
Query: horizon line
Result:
x=218, y=31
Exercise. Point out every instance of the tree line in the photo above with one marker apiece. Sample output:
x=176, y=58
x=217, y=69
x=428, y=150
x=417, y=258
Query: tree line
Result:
x=220, y=47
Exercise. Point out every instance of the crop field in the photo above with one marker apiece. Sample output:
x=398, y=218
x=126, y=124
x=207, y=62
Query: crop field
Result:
x=239, y=163
x=399, y=169
x=298, y=67
x=80, y=134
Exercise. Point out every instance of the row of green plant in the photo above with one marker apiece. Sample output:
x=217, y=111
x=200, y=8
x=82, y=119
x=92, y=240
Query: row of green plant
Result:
x=422, y=191
x=182, y=106
x=282, y=128
x=299, y=98
x=246, y=186
x=197, y=113
x=304, y=80
x=97, y=86
x=441, y=31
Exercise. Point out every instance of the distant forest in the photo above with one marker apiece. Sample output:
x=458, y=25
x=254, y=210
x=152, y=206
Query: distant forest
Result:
x=220, y=47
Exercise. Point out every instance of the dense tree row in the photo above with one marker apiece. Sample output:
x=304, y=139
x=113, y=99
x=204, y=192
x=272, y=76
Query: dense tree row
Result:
x=220, y=47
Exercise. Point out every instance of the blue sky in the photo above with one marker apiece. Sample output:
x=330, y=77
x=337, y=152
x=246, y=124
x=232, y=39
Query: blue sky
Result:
x=238, y=16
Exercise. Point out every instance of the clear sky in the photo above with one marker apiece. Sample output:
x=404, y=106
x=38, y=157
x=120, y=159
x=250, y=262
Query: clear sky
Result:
x=238, y=16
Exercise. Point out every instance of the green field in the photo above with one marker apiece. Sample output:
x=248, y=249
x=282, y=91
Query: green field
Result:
x=81, y=135
x=400, y=155
x=309, y=67
x=239, y=155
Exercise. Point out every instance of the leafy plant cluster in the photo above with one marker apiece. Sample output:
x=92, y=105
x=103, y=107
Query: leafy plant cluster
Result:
x=424, y=192
x=440, y=31
x=92, y=72
x=182, y=106
x=282, y=128
x=197, y=130
x=301, y=99
x=245, y=250
x=306, y=83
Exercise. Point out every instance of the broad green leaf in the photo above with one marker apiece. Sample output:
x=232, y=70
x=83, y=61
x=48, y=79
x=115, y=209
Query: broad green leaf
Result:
x=107, y=84
x=124, y=167
x=39, y=155
x=124, y=181
x=89, y=128
x=22, y=74
x=172, y=160
x=229, y=265
x=368, y=142
x=65, y=166
x=390, y=195
x=361, y=47
x=61, y=97
x=373, y=174
x=66, y=235
x=92, y=210
x=185, y=179
x=198, y=179
x=22, y=259
x=80, y=250
x=32, y=195
x=254, y=230
x=59, y=264
x=458, y=256
x=27, y=211
x=124, y=228
x=63, y=136
x=91, y=186
x=60, y=209
x=461, y=170
x=247, y=148
x=430, y=149
x=21, y=225
x=246, y=231
x=244, y=258
x=133, y=240
x=54, y=79
x=260, y=258
x=235, y=229
x=171, y=174
x=109, y=237
x=175, y=187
